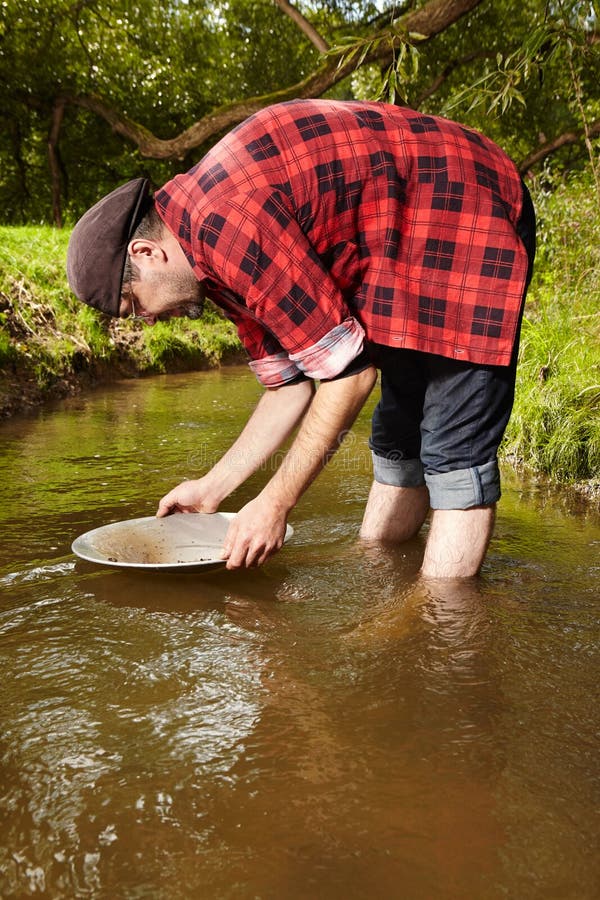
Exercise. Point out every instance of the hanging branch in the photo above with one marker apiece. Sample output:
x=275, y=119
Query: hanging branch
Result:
x=304, y=25
x=568, y=137
x=447, y=72
x=426, y=22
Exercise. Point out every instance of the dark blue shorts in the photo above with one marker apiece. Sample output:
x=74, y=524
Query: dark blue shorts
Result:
x=440, y=421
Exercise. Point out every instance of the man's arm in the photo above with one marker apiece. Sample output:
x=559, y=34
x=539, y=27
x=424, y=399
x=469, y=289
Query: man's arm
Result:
x=278, y=412
x=259, y=528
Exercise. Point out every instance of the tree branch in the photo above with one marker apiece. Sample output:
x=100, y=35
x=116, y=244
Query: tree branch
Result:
x=304, y=25
x=428, y=21
x=568, y=137
x=447, y=72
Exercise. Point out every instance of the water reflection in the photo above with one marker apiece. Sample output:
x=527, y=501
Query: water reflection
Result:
x=328, y=726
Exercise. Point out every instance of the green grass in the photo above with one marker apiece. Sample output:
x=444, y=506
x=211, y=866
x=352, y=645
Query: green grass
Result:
x=47, y=336
x=189, y=342
x=555, y=426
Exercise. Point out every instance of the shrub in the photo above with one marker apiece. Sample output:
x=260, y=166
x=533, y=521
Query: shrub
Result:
x=555, y=427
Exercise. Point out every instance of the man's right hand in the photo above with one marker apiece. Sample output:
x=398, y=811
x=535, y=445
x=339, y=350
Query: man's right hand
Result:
x=188, y=497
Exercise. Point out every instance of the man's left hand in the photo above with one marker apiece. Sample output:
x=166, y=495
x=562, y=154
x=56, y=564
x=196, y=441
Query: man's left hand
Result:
x=256, y=533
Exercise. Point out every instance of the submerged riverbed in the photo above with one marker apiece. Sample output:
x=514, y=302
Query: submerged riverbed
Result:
x=325, y=727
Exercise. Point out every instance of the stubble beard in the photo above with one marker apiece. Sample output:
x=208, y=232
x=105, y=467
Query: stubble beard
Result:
x=181, y=291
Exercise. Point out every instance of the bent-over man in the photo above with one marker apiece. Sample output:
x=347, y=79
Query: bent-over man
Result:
x=341, y=238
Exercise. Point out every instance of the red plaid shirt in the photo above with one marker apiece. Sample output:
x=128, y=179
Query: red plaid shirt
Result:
x=316, y=224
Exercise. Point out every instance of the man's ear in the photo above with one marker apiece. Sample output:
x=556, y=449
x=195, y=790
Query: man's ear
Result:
x=146, y=249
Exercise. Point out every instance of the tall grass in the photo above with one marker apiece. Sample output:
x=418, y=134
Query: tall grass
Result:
x=555, y=427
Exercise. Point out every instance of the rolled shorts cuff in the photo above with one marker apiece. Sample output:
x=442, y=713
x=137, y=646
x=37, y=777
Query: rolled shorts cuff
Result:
x=464, y=488
x=398, y=472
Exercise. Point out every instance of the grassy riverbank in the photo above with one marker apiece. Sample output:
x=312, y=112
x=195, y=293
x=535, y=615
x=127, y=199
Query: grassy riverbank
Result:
x=51, y=345
x=555, y=426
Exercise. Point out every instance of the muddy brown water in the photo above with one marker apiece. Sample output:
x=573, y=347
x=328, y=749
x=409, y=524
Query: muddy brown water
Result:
x=325, y=727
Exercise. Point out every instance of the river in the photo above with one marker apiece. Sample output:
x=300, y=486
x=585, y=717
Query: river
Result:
x=324, y=727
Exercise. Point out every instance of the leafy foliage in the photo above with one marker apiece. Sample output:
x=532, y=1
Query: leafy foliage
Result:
x=523, y=73
x=165, y=65
x=555, y=427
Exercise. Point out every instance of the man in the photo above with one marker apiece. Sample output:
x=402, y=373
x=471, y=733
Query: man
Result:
x=341, y=237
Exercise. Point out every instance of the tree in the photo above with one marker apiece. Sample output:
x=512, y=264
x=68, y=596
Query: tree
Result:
x=102, y=90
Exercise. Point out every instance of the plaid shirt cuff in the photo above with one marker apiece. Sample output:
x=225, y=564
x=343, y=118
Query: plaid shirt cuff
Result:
x=274, y=370
x=336, y=350
x=325, y=359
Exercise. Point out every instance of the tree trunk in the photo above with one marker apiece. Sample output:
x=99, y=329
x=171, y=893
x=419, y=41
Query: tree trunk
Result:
x=58, y=112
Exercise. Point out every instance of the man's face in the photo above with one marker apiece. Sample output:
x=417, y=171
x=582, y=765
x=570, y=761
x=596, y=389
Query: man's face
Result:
x=164, y=294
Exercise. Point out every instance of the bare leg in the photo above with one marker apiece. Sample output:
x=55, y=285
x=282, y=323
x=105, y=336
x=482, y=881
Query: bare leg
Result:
x=394, y=514
x=457, y=542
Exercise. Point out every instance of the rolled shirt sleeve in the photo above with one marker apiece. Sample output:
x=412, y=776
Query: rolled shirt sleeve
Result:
x=323, y=360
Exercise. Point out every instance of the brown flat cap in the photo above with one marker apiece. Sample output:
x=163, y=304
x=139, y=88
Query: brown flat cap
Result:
x=98, y=245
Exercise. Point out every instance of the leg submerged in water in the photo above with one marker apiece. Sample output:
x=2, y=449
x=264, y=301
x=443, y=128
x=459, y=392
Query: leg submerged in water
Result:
x=394, y=514
x=458, y=541
x=458, y=538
